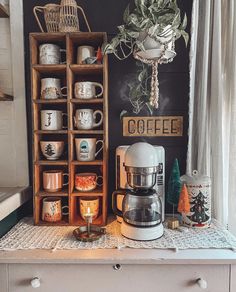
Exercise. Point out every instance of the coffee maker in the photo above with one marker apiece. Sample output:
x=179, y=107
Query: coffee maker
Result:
x=141, y=206
x=121, y=177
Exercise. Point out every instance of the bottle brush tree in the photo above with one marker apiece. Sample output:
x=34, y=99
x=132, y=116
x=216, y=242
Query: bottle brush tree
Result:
x=174, y=185
x=184, y=204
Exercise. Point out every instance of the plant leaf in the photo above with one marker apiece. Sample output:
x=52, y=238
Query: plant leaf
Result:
x=122, y=114
x=126, y=14
x=184, y=23
x=185, y=36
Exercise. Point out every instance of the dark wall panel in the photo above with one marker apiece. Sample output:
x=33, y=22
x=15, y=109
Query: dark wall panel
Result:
x=105, y=15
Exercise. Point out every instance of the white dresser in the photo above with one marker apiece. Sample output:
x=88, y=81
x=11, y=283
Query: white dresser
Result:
x=133, y=270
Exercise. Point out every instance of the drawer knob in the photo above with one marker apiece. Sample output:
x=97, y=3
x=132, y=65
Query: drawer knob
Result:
x=35, y=282
x=202, y=283
x=117, y=267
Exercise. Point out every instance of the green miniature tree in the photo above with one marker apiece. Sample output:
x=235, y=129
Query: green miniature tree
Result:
x=174, y=185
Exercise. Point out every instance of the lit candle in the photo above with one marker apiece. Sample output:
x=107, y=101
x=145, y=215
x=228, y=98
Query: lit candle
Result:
x=89, y=218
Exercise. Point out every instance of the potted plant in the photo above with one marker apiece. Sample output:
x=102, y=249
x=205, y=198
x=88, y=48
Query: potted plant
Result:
x=151, y=25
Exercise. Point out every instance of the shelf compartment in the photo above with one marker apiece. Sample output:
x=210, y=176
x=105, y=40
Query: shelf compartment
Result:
x=78, y=220
x=50, y=101
x=95, y=193
x=63, y=222
x=58, y=68
x=50, y=132
x=98, y=132
x=95, y=162
x=87, y=69
x=49, y=37
x=51, y=162
x=86, y=101
x=62, y=193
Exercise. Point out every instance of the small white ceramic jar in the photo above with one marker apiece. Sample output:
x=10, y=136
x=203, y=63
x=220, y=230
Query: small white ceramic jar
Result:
x=199, y=190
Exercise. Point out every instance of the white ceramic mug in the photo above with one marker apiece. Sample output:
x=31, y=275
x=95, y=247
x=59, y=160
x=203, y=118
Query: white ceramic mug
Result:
x=51, y=88
x=87, y=90
x=52, y=120
x=85, y=119
x=52, y=150
x=89, y=205
x=84, y=52
x=52, y=209
x=86, y=148
x=50, y=54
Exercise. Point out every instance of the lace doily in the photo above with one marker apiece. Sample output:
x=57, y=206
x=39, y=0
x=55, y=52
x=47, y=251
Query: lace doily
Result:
x=25, y=235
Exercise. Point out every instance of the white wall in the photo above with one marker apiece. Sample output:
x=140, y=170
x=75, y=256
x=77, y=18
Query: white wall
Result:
x=13, y=132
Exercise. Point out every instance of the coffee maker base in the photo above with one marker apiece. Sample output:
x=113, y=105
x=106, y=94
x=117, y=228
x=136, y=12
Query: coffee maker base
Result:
x=144, y=233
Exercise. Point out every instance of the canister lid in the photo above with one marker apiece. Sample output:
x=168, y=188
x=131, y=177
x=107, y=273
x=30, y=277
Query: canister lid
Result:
x=195, y=178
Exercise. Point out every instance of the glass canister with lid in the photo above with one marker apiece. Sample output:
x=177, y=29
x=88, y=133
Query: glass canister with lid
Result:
x=199, y=190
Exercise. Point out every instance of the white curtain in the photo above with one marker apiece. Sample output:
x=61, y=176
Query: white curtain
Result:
x=212, y=107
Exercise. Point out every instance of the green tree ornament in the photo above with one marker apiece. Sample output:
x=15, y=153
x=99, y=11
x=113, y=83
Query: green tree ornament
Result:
x=174, y=184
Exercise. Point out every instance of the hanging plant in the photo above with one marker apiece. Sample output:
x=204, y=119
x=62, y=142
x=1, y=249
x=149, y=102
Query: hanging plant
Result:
x=149, y=33
x=158, y=20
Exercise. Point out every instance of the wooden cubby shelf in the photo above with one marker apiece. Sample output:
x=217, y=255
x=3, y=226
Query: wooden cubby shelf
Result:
x=50, y=68
x=87, y=69
x=94, y=193
x=87, y=101
x=63, y=222
x=50, y=132
x=51, y=162
x=94, y=162
x=50, y=194
x=91, y=132
x=50, y=101
x=69, y=73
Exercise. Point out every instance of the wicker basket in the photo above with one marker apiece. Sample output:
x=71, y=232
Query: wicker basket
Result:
x=69, y=21
x=60, y=18
x=51, y=14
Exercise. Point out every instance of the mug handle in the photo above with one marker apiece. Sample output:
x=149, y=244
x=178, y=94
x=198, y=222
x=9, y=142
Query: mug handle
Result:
x=64, y=115
x=65, y=213
x=65, y=87
x=101, y=87
x=63, y=51
x=99, y=177
x=94, y=116
x=75, y=122
x=99, y=150
x=66, y=174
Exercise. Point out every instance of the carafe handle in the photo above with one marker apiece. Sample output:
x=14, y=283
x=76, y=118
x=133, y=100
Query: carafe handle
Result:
x=114, y=202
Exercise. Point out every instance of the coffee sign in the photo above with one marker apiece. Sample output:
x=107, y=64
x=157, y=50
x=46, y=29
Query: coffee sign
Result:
x=160, y=126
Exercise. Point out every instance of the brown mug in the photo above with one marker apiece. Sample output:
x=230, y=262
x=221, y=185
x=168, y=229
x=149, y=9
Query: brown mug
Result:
x=53, y=180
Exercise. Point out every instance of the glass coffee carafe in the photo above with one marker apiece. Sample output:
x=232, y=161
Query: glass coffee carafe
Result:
x=140, y=208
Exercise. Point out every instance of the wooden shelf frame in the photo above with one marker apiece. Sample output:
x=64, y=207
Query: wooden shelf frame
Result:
x=69, y=72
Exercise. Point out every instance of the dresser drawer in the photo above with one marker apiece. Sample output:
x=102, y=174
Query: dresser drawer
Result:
x=108, y=278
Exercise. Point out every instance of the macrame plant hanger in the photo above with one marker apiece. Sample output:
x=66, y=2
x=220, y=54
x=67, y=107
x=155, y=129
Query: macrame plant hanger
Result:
x=154, y=61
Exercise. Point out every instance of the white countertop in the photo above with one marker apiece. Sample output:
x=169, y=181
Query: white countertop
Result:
x=124, y=256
